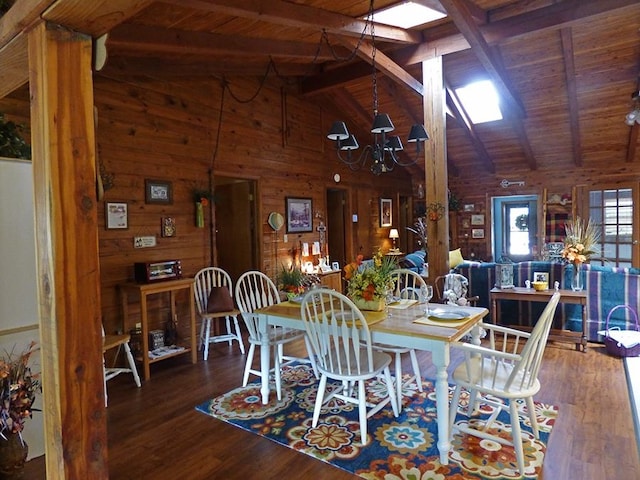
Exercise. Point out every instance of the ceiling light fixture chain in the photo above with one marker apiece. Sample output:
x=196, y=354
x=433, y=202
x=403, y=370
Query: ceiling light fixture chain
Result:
x=384, y=151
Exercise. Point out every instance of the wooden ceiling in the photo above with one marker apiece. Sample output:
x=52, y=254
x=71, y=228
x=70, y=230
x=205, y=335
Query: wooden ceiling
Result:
x=565, y=70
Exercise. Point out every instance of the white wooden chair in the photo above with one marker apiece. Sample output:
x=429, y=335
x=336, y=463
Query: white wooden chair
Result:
x=256, y=290
x=204, y=281
x=407, y=286
x=341, y=342
x=119, y=342
x=502, y=370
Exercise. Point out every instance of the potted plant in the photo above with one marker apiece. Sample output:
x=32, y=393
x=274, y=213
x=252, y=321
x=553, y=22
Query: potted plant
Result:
x=291, y=281
x=12, y=144
x=18, y=388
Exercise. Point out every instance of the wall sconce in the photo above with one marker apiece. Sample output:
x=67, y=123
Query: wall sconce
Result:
x=394, y=236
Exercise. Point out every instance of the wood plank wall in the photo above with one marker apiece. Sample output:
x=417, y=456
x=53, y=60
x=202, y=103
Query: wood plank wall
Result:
x=167, y=131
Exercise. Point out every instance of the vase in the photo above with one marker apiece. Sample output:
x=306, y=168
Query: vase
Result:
x=13, y=455
x=199, y=215
x=576, y=278
x=375, y=305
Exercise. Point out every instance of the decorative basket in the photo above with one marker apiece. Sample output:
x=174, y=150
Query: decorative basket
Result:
x=614, y=347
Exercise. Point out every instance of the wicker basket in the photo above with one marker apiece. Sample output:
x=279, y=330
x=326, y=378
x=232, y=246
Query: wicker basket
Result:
x=612, y=346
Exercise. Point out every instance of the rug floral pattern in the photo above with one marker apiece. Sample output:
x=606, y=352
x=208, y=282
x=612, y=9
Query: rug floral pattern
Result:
x=400, y=448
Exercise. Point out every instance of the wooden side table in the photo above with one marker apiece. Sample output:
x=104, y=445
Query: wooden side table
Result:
x=142, y=291
x=531, y=295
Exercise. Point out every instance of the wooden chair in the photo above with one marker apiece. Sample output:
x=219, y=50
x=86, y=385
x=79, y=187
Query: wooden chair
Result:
x=457, y=285
x=119, y=342
x=407, y=286
x=341, y=342
x=501, y=371
x=205, y=280
x=256, y=290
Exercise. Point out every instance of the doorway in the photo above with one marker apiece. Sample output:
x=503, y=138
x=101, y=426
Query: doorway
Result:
x=515, y=227
x=336, y=221
x=237, y=247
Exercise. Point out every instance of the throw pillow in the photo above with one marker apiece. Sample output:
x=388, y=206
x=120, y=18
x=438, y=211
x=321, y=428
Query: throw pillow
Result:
x=219, y=300
x=455, y=258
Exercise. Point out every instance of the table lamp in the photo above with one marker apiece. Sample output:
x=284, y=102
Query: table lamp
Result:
x=394, y=235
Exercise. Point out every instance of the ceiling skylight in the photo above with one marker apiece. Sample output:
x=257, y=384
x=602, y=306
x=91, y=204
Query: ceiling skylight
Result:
x=481, y=102
x=407, y=15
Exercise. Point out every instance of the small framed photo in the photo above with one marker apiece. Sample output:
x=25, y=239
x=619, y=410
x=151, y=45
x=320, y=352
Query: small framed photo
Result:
x=335, y=266
x=541, y=277
x=468, y=207
x=116, y=216
x=477, y=219
x=477, y=233
x=158, y=191
x=299, y=215
x=168, y=227
x=466, y=223
x=386, y=213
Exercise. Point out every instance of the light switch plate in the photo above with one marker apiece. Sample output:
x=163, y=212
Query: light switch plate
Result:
x=144, y=242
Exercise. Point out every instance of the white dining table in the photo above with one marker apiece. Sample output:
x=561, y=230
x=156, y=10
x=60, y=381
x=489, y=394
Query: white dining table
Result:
x=400, y=328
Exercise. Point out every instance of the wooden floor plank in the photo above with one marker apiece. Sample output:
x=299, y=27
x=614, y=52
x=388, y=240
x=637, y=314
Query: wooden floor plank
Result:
x=155, y=433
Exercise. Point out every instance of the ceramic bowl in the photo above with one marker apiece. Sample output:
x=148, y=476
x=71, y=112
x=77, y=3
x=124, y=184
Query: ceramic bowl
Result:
x=540, y=286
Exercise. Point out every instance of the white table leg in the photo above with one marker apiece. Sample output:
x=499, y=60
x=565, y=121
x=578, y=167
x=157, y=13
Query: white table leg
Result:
x=265, y=360
x=440, y=358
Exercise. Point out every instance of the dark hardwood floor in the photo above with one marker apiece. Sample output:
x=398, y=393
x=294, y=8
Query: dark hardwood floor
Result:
x=155, y=432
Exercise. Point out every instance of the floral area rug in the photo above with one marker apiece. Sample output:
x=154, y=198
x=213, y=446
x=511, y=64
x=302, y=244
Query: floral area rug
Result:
x=399, y=448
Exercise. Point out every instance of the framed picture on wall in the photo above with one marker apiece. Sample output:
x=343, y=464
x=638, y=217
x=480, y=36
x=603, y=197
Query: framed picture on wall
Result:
x=386, y=212
x=116, y=216
x=477, y=233
x=158, y=191
x=477, y=219
x=299, y=214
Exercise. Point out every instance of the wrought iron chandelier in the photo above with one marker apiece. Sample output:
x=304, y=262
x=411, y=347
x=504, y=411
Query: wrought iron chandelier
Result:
x=384, y=150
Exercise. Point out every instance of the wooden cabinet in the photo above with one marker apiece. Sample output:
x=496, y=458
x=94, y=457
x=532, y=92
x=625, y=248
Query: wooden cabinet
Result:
x=332, y=280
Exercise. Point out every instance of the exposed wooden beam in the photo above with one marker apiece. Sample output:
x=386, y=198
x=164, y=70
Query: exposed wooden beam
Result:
x=460, y=114
x=572, y=94
x=15, y=65
x=297, y=15
x=139, y=39
x=459, y=13
x=365, y=51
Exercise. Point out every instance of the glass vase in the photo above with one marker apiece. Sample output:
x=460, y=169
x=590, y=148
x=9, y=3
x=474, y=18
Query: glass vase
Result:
x=199, y=215
x=576, y=278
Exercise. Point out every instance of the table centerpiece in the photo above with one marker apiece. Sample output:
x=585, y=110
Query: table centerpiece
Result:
x=370, y=282
x=579, y=245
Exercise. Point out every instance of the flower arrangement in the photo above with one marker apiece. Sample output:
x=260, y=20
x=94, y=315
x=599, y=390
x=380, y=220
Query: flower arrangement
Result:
x=291, y=280
x=202, y=196
x=435, y=211
x=371, y=281
x=420, y=229
x=18, y=388
x=580, y=242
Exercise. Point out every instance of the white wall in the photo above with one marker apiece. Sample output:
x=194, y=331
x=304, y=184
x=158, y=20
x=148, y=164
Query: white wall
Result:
x=18, y=289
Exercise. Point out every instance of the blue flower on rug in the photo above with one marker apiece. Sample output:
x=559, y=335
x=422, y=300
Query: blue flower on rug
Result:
x=400, y=448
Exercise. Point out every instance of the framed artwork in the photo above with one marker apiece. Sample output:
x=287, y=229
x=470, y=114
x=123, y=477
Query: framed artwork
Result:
x=466, y=223
x=541, y=277
x=168, y=227
x=299, y=214
x=477, y=233
x=386, y=213
x=477, y=219
x=469, y=207
x=158, y=191
x=116, y=216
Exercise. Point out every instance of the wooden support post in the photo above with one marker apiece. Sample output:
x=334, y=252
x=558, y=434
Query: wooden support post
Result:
x=63, y=146
x=436, y=176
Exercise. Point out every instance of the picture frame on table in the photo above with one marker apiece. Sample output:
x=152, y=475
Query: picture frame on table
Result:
x=386, y=212
x=477, y=233
x=116, y=216
x=477, y=219
x=299, y=214
x=541, y=277
x=158, y=191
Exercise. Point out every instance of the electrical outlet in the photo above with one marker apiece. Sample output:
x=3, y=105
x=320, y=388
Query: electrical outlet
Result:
x=285, y=238
x=144, y=242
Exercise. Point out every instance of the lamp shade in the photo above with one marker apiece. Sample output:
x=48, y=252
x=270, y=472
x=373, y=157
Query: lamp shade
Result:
x=393, y=233
x=394, y=144
x=349, y=144
x=418, y=134
x=382, y=124
x=338, y=131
